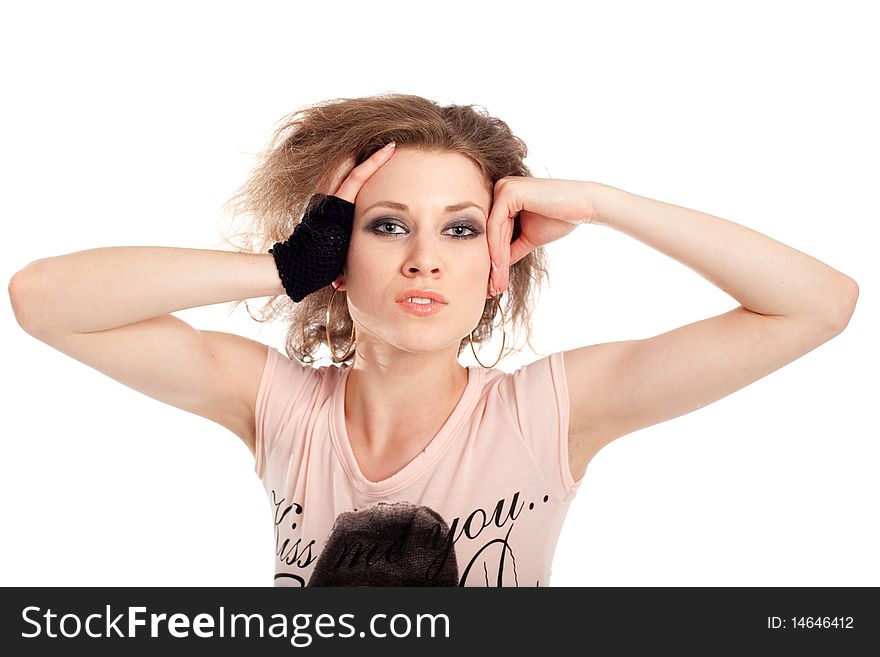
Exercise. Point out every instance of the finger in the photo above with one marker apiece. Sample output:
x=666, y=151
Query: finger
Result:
x=519, y=250
x=504, y=266
x=490, y=280
x=339, y=175
x=495, y=236
x=352, y=184
x=499, y=246
x=494, y=259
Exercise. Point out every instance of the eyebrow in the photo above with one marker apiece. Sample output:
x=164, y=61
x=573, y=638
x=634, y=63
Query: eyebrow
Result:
x=405, y=208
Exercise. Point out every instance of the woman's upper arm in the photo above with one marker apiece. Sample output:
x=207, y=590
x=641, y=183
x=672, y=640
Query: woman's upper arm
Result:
x=620, y=387
x=209, y=373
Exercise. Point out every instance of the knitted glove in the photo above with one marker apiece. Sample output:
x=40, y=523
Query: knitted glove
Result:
x=314, y=254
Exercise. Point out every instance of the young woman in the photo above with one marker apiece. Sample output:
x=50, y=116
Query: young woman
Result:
x=397, y=465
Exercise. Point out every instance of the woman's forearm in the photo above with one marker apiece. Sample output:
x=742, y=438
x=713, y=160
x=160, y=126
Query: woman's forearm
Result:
x=764, y=275
x=108, y=287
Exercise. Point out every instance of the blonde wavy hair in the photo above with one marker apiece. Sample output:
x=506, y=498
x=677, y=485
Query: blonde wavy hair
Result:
x=299, y=160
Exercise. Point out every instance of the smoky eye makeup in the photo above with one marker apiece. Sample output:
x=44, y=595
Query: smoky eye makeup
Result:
x=391, y=226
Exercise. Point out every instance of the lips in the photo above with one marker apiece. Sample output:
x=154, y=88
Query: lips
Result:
x=421, y=294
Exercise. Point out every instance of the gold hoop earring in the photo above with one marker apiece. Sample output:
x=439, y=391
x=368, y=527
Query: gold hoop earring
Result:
x=350, y=348
x=503, y=337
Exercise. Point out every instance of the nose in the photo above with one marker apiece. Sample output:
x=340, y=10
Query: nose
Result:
x=422, y=256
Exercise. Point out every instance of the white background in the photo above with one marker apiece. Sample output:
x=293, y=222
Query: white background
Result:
x=130, y=124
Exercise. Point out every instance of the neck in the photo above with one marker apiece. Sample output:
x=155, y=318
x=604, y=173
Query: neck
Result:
x=391, y=404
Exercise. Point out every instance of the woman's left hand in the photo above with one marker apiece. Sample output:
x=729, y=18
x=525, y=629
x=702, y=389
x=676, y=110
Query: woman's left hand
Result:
x=548, y=209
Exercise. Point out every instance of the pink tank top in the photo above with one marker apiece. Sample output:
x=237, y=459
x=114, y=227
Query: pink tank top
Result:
x=482, y=505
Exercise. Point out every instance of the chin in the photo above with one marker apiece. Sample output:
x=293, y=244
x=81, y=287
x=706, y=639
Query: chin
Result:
x=421, y=341
x=417, y=346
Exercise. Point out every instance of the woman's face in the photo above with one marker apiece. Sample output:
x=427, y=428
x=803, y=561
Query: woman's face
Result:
x=423, y=247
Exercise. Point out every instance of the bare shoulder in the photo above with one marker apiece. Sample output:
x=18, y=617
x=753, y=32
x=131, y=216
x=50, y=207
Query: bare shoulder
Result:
x=212, y=374
x=240, y=361
x=587, y=374
x=617, y=388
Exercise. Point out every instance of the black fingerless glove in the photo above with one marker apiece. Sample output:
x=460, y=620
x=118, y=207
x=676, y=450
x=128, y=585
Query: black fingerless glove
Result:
x=313, y=256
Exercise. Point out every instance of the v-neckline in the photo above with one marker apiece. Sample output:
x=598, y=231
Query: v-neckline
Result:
x=424, y=459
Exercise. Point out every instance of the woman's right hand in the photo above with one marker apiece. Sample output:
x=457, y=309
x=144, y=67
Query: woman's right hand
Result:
x=348, y=179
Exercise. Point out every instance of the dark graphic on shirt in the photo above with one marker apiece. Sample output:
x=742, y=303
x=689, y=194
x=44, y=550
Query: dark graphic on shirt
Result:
x=386, y=545
x=403, y=544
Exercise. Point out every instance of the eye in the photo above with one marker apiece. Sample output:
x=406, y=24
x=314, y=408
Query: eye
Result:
x=465, y=236
x=461, y=231
x=382, y=224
